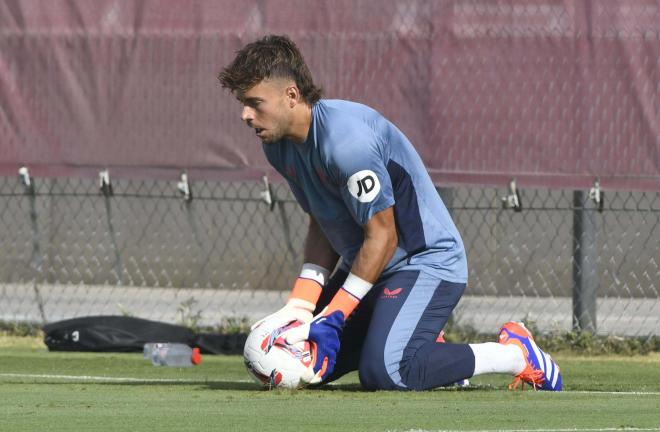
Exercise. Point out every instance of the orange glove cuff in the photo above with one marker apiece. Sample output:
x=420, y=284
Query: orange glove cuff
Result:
x=343, y=301
x=306, y=289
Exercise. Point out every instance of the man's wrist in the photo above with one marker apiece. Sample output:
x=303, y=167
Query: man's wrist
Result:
x=356, y=286
x=349, y=296
x=315, y=272
x=307, y=288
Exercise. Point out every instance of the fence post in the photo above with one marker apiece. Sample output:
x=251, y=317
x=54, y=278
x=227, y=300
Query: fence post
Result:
x=37, y=259
x=585, y=256
x=105, y=187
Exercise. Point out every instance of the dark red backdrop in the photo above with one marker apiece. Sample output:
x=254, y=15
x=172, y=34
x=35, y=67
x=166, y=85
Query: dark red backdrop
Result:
x=554, y=93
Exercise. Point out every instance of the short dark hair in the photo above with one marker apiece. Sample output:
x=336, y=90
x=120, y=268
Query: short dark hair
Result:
x=270, y=57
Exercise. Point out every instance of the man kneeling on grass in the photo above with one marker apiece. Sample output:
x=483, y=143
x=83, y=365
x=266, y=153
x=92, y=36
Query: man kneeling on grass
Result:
x=371, y=203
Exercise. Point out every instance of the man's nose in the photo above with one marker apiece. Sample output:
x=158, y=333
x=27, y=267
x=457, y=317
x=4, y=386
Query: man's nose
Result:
x=247, y=115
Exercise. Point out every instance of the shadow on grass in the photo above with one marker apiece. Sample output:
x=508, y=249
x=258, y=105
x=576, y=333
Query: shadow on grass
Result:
x=355, y=387
x=351, y=388
x=247, y=386
x=212, y=385
x=236, y=385
x=228, y=385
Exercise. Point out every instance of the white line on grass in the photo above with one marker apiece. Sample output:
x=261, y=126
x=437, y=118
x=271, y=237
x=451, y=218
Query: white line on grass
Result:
x=193, y=381
x=117, y=379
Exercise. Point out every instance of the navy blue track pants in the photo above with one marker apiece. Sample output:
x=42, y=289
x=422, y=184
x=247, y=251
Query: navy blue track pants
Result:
x=391, y=337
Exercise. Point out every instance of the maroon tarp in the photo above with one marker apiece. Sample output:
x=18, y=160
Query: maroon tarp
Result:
x=554, y=93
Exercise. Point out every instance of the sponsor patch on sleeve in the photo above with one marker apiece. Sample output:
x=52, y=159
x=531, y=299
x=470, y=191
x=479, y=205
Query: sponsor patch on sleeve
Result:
x=364, y=185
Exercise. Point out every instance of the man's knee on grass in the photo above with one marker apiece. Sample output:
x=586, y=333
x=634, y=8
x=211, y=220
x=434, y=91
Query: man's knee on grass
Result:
x=432, y=365
x=408, y=376
x=373, y=374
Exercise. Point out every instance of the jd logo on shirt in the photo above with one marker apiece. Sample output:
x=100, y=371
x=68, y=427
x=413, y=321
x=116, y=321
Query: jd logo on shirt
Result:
x=364, y=185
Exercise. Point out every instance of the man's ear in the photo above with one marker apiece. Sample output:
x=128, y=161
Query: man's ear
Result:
x=293, y=95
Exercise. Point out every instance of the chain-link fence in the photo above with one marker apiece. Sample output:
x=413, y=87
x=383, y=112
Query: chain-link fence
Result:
x=70, y=250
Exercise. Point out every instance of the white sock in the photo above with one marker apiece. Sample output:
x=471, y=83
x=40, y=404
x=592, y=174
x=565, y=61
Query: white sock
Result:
x=492, y=357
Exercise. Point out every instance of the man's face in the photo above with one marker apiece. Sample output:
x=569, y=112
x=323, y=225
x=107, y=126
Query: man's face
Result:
x=266, y=110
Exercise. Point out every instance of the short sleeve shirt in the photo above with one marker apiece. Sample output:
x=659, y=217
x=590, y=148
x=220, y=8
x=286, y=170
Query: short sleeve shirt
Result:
x=354, y=164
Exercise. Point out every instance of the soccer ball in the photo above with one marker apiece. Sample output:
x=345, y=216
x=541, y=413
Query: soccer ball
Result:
x=272, y=362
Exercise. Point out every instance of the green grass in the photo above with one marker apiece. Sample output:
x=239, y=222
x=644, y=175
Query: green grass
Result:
x=218, y=395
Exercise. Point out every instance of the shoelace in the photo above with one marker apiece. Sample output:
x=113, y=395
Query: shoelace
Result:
x=528, y=376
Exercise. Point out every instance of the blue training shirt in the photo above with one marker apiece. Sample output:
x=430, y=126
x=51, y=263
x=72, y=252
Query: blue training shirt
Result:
x=355, y=163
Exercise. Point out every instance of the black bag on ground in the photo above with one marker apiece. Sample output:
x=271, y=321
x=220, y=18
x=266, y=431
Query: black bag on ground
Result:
x=111, y=334
x=216, y=343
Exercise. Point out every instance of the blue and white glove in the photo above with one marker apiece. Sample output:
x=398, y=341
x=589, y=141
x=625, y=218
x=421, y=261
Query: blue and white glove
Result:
x=324, y=331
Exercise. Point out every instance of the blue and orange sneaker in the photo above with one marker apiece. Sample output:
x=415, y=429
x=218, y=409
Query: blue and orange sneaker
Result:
x=541, y=372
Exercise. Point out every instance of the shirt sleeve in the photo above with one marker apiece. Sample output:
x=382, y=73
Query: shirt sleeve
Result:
x=362, y=175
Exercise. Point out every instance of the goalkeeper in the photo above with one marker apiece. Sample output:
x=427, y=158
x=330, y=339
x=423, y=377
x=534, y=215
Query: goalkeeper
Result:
x=376, y=219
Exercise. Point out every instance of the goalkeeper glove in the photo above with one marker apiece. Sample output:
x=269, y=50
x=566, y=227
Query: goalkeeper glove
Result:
x=294, y=309
x=302, y=300
x=325, y=329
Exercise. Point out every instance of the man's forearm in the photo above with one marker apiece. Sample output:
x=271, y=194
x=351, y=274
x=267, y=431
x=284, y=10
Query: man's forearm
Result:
x=378, y=246
x=318, y=249
x=373, y=256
